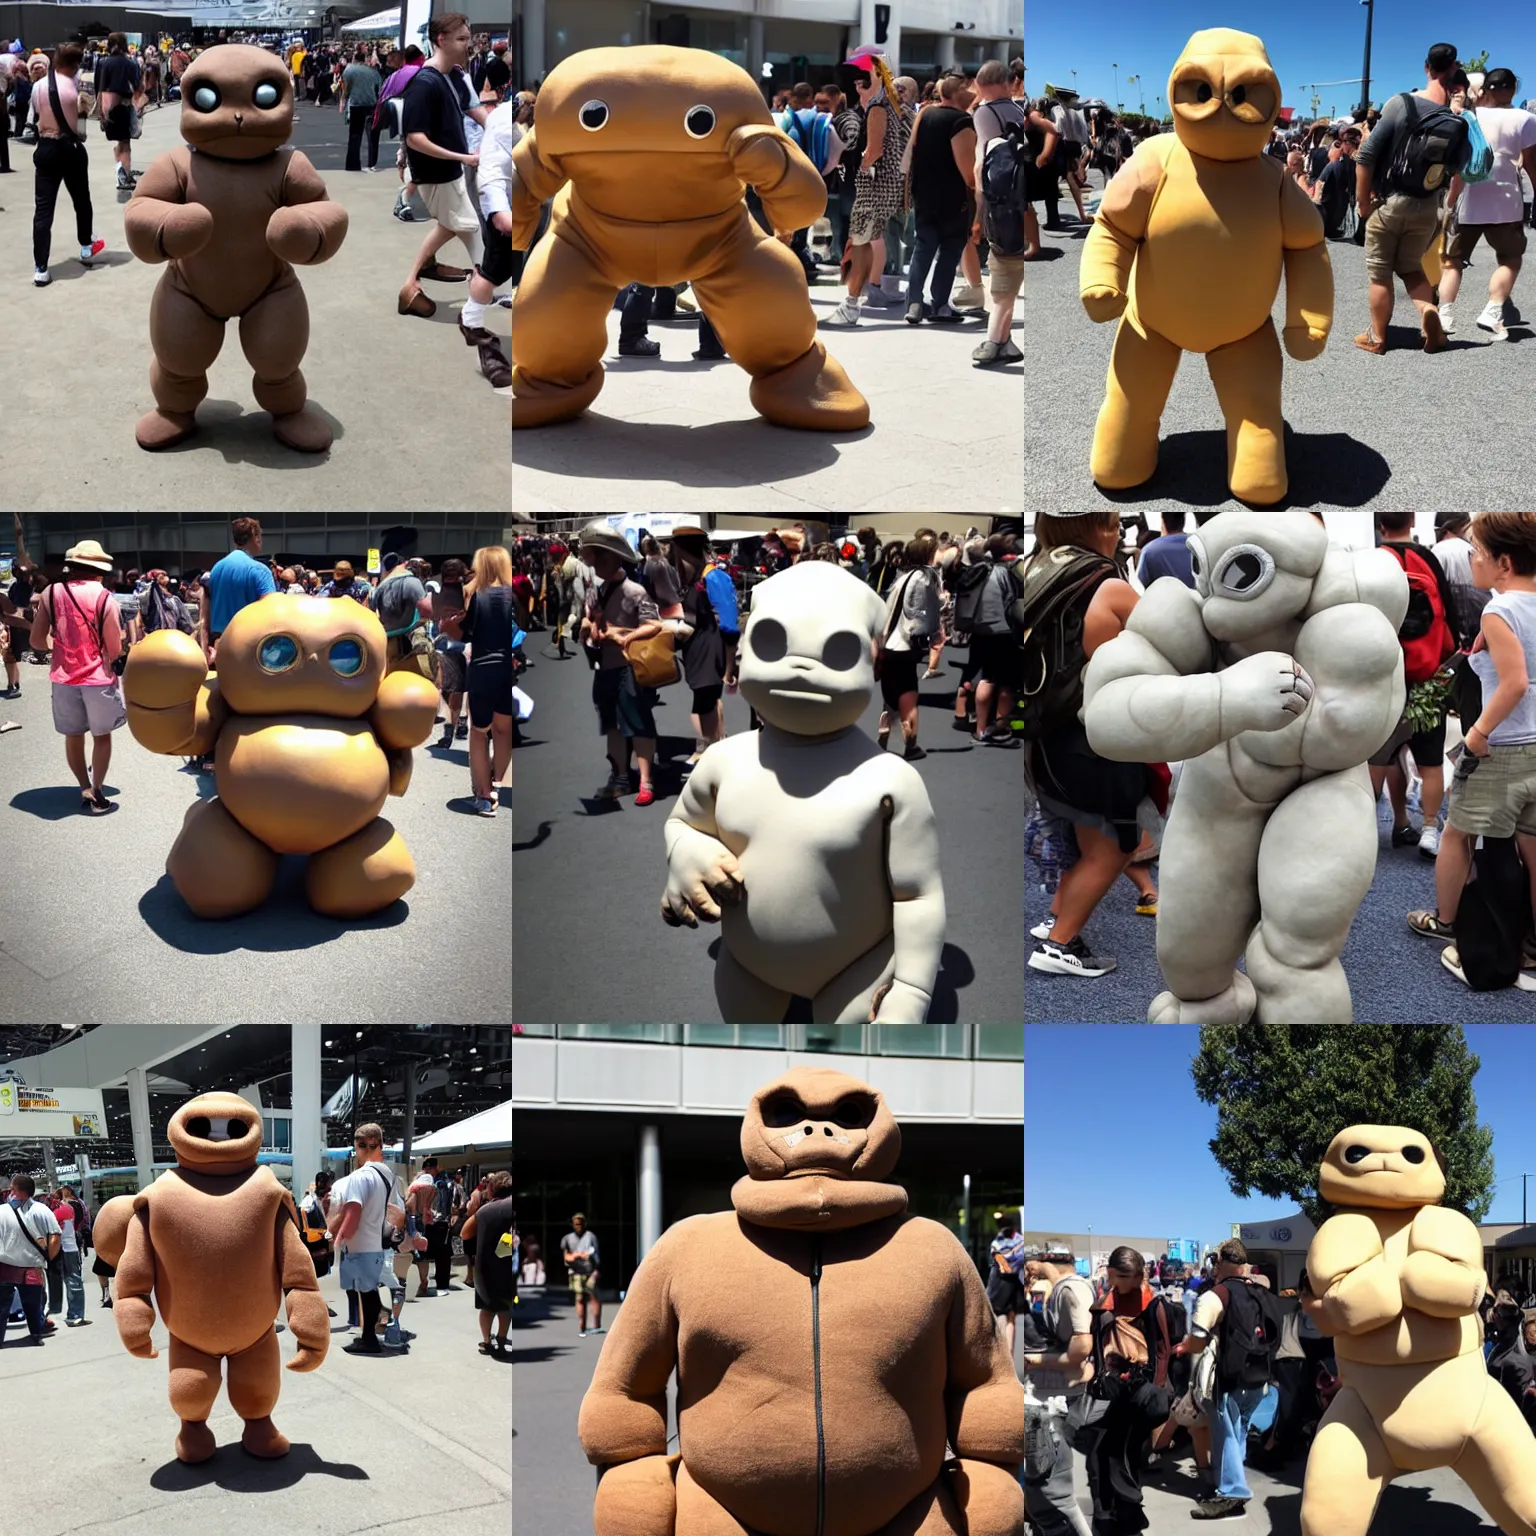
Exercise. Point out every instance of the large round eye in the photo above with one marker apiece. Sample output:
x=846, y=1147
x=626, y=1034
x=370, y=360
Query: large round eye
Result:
x=1413, y=1154
x=700, y=122
x=198, y=1126
x=1252, y=102
x=1237, y=95
x=854, y=1112
x=593, y=115
x=1192, y=90
x=782, y=1108
x=278, y=653
x=1356, y=1154
x=347, y=657
x=843, y=650
x=1203, y=91
x=267, y=95
x=206, y=97
x=1243, y=572
x=769, y=641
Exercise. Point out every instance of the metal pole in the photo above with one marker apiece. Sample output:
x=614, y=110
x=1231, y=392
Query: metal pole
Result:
x=1365, y=72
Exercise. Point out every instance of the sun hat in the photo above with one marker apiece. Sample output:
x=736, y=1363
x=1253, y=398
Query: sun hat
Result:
x=598, y=535
x=90, y=554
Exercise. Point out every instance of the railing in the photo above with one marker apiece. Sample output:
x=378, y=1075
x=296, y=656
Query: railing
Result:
x=962, y=1042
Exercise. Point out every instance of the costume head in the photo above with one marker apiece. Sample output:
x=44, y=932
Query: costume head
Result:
x=806, y=661
x=1388, y=1167
x=1224, y=95
x=216, y=1133
x=1254, y=570
x=291, y=655
x=236, y=102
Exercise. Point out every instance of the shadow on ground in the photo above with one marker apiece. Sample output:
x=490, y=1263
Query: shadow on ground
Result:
x=236, y=1471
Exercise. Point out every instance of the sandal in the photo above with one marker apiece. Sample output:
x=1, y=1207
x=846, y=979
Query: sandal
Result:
x=1428, y=926
x=486, y=1349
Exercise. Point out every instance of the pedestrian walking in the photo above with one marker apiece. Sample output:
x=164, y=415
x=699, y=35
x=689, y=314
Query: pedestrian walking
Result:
x=362, y=1204
x=60, y=159
x=29, y=1238
x=490, y=1228
x=578, y=1250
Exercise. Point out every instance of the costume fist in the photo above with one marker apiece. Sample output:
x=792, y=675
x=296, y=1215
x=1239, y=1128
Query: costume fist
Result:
x=306, y=1359
x=900, y=1004
x=1304, y=342
x=306, y=233
x=1104, y=303
x=757, y=153
x=1263, y=693
x=165, y=669
x=185, y=228
x=702, y=877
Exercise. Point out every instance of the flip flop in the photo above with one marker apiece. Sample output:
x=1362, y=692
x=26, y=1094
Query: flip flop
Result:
x=10, y=725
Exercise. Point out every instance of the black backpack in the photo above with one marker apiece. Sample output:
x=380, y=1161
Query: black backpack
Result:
x=1048, y=620
x=1160, y=1324
x=1004, y=172
x=1250, y=1335
x=969, y=582
x=1431, y=148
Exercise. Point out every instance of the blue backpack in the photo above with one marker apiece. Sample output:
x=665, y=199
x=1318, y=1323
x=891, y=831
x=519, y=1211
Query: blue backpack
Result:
x=1479, y=166
x=813, y=138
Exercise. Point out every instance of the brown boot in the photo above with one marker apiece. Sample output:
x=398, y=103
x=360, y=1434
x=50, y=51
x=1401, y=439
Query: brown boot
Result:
x=164, y=429
x=413, y=301
x=493, y=364
x=474, y=335
x=436, y=272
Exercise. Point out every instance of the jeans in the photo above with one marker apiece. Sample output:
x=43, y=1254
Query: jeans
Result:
x=840, y=211
x=74, y=1286
x=56, y=1285
x=1230, y=1417
x=357, y=124
x=58, y=160
x=937, y=245
x=32, y=1298
x=1264, y=1415
x=1051, y=1501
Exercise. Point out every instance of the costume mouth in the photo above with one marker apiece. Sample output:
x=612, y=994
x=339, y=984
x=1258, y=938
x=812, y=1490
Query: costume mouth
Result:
x=801, y=693
x=816, y=1173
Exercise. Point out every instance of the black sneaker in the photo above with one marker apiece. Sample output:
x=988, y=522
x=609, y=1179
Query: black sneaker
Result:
x=914, y=753
x=1404, y=837
x=1073, y=958
x=639, y=346
x=1218, y=1509
x=968, y=726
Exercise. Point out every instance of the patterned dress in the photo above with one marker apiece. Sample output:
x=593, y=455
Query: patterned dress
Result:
x=881, y=192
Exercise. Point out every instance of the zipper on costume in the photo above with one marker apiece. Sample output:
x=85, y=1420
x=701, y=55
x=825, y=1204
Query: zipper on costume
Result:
x=821, y=1442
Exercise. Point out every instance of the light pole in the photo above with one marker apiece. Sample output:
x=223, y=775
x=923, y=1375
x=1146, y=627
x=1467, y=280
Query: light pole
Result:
x=1365, y=73
x=1131, y=80
x=1118, y=102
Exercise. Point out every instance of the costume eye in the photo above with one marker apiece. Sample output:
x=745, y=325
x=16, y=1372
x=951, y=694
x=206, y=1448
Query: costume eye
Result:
x=267, y=95
x=236, y=1128
x=769, y=641
x=347, y=657
x=593, y=115
x=1243, y=572
x=1413, y=1154
x=843, y=650
x=700, y=122
x=278, y=653
x=854, y=1112
x=1203, y=92
x=206, y=97
x=198, y=1126
x=1237, y=95
x=1356, y=1154
x=781, y=1109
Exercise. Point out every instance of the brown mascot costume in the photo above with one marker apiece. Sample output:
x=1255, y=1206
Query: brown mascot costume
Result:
x=827, y=1346
x=1396, y=1280
x=647, y=153
x=309, y=739
x=232, y=212
x=216, y=1239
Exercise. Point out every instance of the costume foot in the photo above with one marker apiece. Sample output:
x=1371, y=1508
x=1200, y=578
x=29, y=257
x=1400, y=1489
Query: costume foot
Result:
x=538, y=402
x=195, y=1442
x=812, y=393
x=1234, y=1006
x=1258, y=485
x=261, y=1438
x=305, y=430
x=361, y=874
x=164, y=429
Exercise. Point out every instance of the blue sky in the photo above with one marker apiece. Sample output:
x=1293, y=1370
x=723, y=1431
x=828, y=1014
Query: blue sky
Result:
x=1081, y=1080
x=1306, y=45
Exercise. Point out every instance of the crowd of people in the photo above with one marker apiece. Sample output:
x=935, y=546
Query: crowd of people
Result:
x=446, y=109
x=921, y=188
x=1469, y=655
x=455, y=626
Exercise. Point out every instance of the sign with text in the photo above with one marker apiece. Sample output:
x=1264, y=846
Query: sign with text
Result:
x=48, y=1113
x=375, y=565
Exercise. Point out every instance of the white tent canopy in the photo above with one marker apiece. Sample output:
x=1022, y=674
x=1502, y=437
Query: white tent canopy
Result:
x=380, y=21
x=490, y=1128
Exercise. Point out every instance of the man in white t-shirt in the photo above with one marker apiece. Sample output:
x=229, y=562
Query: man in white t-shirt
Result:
x=361, y=1204
x=1492, y=209
x=29, y=1238
x=1453, y=550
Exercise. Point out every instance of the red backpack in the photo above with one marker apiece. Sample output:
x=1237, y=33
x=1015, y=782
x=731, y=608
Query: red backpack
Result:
x=1427, y=635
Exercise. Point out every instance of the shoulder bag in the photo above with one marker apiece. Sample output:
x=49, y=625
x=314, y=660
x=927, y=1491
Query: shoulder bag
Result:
x=26, y=1232
x=101, y=630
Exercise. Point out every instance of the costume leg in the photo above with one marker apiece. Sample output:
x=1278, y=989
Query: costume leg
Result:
x=1141, y=370
x=274, y=332
x=219, y=868
x=1247, y=377
x=637, y=1498
x=1498, y=1464
x=1347, y=1469
x=849, y=996
x=185, y=339
x=255, y=1377
x=559, y=334
x=361, y=874
x=933, y=1513
x=1316, y=863
x=194, y=1386
x=742, y=997
x=756, y=299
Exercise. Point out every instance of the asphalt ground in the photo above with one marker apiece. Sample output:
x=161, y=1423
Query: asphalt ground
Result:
x=416, y=424
x=1364, y=430
x=93, y=931
x=668, y=434
x=1394, y=975
x=589, y=873
x=407, y=1441
x=552, y=1366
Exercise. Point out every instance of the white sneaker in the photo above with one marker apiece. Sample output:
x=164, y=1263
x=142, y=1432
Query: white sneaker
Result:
x=1447, y=320
x=1043, y=930
x=965, y=296
x=1429, y=843
x=1492, y=320
x=846, y=313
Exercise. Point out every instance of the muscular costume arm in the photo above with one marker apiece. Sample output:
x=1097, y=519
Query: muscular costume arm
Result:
x=158, y=221
x=174, y=708
x=1348, y=1271
x=1354, y=656
x=308, y=1318
x=535, y=180
x=1119, y=228
x=983, y=1398
x=917, y=911
x=1443, y=1273
x=789, y=187
x=1308, y=275
x=133, y=1312
x=701, y=871
x=309, y=227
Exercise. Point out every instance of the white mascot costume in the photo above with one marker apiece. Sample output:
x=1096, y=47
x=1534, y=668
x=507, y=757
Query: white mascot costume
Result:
x=1274, y=681
x=815, y=851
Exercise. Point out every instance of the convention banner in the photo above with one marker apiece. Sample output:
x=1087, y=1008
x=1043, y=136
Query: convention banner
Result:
x=52, y=1113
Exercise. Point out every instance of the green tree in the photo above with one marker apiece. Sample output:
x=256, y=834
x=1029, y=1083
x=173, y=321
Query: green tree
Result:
x=1478, y=62
x=1282, y=1093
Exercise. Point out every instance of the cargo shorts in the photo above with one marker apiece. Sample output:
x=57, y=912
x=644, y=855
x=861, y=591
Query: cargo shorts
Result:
x=1397, y=234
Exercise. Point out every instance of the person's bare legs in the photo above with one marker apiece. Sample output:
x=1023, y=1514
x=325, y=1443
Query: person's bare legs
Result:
x=503, y=1323
x=1397, y=791
x=1381, y=300
x=74, y=755
x=437, y=237
x=970, y=257
x=1008, y=1330
x=1031, y=237
x=1451, y=871
x=1450, y=282
x=1086, y=884
x=1433, y=793
x=101, y=760
x=480, y=763
x=501, y=749
x=618, y=755
x=645, y=755
x=1001, y=322
x=875, y=278
x=1503, y=281
x=985, y=692
x=906, y=706
x=860, y=264
x=1419, y=291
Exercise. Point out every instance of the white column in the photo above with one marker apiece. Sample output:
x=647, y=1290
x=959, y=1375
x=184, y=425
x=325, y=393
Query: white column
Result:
x=649, y=1189
x=83, y=1166
x=944, y=51
x=143, y=1135
x=533, y=65
x=756, y=50
x=1007, y=50
x=307, y=1138
x=50, y=1166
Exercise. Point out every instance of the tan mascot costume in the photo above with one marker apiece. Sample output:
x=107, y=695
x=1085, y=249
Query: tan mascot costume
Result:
x=216, y=1239
x=1397, y=1279
x=232, y=212
x=1187, y=251
x=647, y=152
x=310, y=738
x=827, y=1346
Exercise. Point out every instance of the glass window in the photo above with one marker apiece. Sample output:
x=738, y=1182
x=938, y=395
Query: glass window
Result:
x=657, y=1034
x=921, y=1039
x=1000, y=1042
x=756, y=1036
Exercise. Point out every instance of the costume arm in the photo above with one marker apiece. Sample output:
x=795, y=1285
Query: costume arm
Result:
x=1443, y=1273
x=1118, y=230
x=790, y=187
x=302, y=1301
x=917, y=897
x=404, y=710
x=983, y=1397
x=537, y=180
x=702, y=872
x=308, y=228
x=132, y=1310
x=1347, y=1269
x=173, y=709
x=158, y=221
x=1355, y=655
x=1308, y=274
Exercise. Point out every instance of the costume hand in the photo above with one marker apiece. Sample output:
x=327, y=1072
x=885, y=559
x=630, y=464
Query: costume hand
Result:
x=1304, y=342
x=185, y=228
x=1263, y=693
x=899, y=1003
x=306, y=233
x=702, y=877
x=306, y=1359
x=1104, y=303
x=165, y=671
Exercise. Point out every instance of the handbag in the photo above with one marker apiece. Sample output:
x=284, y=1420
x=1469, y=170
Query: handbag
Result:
x=654, y=660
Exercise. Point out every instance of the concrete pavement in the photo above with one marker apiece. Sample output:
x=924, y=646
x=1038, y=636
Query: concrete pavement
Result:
x=416, y=425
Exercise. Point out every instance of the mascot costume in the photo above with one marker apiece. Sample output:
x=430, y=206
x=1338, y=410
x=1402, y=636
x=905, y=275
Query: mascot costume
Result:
x=1191, y=237
x=232, y=212
x=216, y=1240
x=309, y=738
x=814, y=849
x=825, y=1405
x=1273, y=681
x=647, y=152
x=1396, y=1280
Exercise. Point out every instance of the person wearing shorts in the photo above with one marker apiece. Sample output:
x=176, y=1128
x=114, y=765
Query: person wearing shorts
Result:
x=578, y=1251
x=494, y=184
x=87, y=695
x=993, y=111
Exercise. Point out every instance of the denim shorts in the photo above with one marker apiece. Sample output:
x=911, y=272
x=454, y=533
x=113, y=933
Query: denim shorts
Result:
x=363, y=1271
